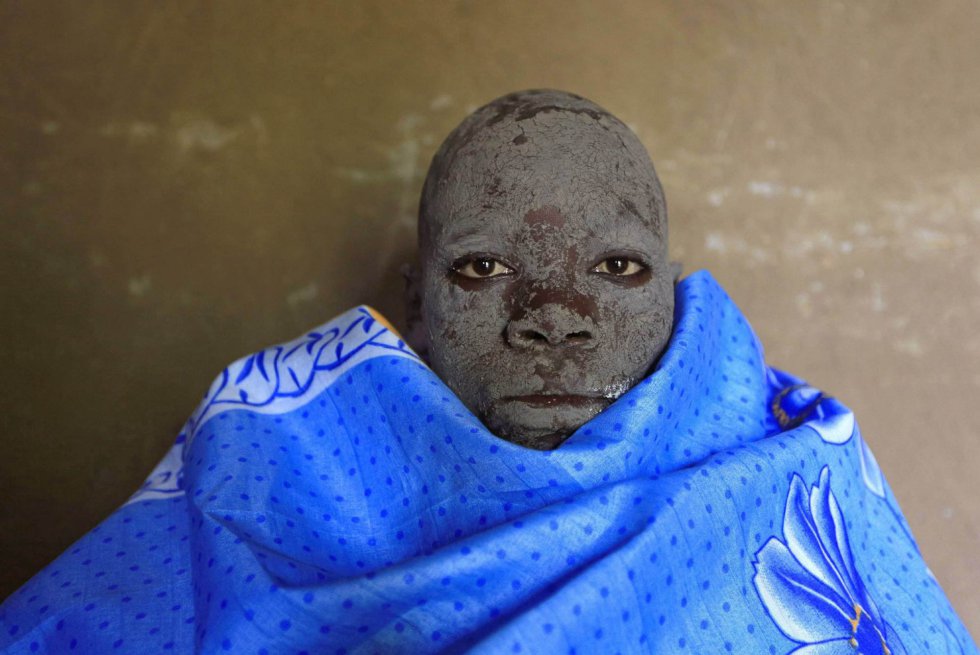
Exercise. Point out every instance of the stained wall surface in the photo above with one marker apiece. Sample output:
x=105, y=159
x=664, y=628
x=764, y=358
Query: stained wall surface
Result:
x=182, y=183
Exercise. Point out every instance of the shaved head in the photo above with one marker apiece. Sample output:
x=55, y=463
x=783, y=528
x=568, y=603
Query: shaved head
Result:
x=543, y=290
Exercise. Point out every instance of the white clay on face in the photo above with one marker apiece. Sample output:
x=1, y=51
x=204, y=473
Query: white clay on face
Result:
x=544, y=283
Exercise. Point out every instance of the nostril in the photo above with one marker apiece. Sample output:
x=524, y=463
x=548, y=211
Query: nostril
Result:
x=538, y=336
x=532, y=335
x=578, y=337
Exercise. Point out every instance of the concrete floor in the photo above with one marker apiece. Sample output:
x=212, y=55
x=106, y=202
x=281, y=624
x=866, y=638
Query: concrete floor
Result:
x=183, y=183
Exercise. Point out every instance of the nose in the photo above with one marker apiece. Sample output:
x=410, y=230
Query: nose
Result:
x=550, y=326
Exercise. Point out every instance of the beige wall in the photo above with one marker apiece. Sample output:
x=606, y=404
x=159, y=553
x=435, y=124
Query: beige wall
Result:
x=181, y=183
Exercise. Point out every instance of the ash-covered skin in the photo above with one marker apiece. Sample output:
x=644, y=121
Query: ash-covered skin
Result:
x=543, y=291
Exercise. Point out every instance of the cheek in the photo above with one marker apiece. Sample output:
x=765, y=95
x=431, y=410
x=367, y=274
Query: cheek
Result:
x=463, y=327
x=638, y=324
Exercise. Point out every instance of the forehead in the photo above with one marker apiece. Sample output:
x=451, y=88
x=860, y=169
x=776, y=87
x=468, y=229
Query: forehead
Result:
x=595, y=174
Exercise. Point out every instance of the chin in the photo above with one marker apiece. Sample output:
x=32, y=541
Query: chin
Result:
x=540, y=428
x=538, y=441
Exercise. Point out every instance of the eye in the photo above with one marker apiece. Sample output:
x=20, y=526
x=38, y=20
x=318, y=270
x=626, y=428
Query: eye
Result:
x=619, y=267
x=481, y=267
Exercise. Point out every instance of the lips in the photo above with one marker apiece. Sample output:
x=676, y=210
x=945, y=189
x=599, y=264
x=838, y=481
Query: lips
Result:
x=557, y=400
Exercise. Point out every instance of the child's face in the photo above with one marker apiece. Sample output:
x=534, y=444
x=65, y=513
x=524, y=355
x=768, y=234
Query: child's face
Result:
x=545, y=287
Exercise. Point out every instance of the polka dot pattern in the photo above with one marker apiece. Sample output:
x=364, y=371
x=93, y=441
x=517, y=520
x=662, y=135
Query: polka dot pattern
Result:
x=381, y=516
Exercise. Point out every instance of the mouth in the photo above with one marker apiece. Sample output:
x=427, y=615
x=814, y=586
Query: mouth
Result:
x=557, y=400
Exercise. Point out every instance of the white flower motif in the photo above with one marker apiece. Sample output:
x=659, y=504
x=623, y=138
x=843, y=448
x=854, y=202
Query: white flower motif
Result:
x=796, y=403
x=287, y=376
x=280, y=379
x=810, y=586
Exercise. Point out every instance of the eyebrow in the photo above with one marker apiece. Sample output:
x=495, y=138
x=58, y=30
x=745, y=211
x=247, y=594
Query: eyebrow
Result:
x=636, y=218
x=453, y=232
x=629, y=221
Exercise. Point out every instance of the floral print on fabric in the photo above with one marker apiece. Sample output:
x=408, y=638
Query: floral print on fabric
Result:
x=809, y=585
x=288, y=376
x=796, y=403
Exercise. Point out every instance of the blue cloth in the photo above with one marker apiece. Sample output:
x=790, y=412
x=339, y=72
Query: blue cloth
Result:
x=331, y=495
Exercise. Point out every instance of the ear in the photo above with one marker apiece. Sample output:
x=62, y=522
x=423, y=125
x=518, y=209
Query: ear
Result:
x=415, y=335
x=676, y=269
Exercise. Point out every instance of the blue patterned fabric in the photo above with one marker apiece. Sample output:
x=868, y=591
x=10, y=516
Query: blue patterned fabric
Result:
x=331, y=495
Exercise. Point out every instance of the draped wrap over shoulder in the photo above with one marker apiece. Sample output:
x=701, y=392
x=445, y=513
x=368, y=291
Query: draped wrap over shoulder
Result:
x=331, y=495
